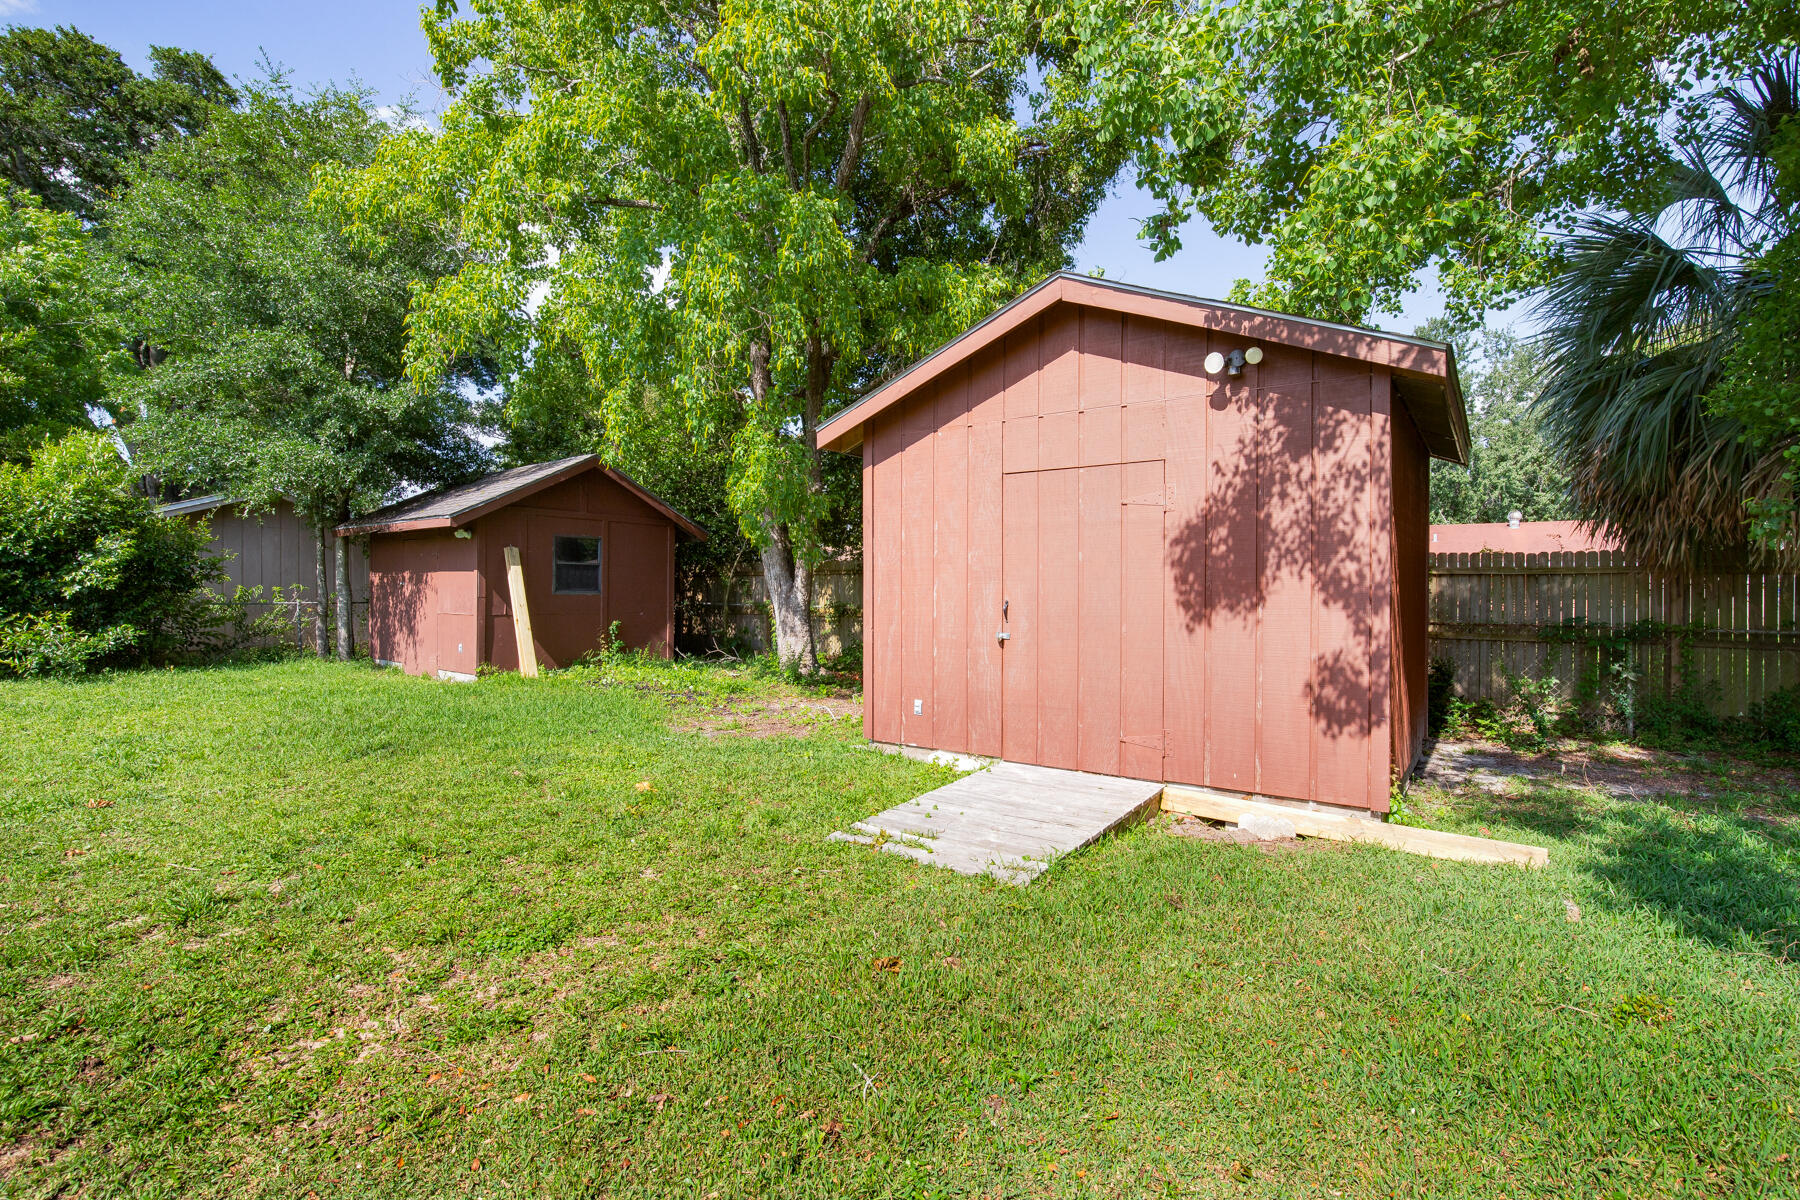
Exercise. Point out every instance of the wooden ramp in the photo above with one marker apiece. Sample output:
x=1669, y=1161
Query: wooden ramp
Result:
x=1010, y=821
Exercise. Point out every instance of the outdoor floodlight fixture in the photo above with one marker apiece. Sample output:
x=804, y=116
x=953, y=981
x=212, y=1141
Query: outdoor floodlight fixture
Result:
x=1233, y=364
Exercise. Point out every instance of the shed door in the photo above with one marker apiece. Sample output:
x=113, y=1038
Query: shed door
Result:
x=1082, y=599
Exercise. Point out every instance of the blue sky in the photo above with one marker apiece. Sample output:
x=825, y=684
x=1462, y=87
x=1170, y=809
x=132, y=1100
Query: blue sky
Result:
x=378, y=42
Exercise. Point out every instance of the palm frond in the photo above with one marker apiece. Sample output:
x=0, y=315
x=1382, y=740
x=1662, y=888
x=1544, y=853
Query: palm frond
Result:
x=1638, y=328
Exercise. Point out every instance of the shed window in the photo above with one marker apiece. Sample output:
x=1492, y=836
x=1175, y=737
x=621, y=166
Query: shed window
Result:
x=577, y=565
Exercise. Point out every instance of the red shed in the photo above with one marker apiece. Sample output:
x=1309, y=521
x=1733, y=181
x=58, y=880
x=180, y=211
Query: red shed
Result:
x=1136, y=533
x=595, y=548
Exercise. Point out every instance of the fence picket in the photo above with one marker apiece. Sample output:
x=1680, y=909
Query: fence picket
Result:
x=1743, y=628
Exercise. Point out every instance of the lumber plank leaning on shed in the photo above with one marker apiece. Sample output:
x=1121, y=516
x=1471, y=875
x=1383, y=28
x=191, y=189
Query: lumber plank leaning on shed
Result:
x=515, y=582
x=1217, y=805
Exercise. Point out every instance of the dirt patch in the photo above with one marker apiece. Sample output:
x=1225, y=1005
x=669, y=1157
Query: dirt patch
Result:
x=766, y=718
x=61, y=982
x=1182, y=825
x=1622, y=772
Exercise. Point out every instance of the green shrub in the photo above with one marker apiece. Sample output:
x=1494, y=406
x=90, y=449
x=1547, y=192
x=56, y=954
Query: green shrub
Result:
x=1775, y=719
x=89, y=573
x=46, y=644
x=1440, y=690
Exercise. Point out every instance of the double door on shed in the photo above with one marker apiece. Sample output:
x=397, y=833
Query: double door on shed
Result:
x=1083, y=588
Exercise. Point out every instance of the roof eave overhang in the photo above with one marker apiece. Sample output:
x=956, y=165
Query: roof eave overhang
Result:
x=475, y=512
x=1415, y=359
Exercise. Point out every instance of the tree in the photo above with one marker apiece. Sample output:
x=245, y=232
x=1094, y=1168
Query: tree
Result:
x=281, y=341
x=55, y=332
x=1645, y=320
x=746, y=212
x=1760, y=387
x=88, y=570
x=1366, y=142
x=73, y=115
x=1511, y=465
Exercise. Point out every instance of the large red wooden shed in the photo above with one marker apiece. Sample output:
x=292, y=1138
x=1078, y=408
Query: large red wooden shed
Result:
x=595, y=547
x=1137, y=533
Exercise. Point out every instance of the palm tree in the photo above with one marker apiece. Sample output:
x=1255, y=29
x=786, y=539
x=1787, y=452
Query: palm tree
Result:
x=1640, y=323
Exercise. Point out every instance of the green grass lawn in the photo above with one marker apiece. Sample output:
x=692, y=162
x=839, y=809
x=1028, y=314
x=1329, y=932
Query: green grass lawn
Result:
x=305, y=929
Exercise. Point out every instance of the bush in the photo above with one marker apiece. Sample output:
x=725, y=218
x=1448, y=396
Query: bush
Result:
x=1775, y=719
x=89, y=573
x=1440, y=689
x=46, y=644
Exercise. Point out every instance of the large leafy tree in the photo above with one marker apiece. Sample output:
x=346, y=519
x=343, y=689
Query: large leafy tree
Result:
x=56, y=334
x=745, y=211
x=1364, y=143
x=73, y=115
x=1645, y=321
x=280, y=342
x=1512, y=466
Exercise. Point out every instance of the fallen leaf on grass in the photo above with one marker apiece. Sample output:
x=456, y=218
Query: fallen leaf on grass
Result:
x=953, y=962
x=643, y=785
x=590, y=1078
x=1571, y=910
x=832, y=1128
x=587, y=1112
x=808, y=1115
x=99, y=803
x=890, y=964
x=521, y=1098
x=1239, y=1172
x=660, y=1099
x=74, y=852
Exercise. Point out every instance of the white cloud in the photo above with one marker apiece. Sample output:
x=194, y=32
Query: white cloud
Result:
x=16, y=8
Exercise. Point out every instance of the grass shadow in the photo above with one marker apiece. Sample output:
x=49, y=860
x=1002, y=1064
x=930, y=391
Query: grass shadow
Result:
x=1729, y=881
x=1726, y=876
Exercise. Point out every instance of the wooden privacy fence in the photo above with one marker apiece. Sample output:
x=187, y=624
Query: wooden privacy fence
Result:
x=1489, y=613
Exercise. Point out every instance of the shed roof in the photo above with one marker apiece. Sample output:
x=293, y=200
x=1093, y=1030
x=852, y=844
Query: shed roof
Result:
x=450, y=507
x=1424, y=370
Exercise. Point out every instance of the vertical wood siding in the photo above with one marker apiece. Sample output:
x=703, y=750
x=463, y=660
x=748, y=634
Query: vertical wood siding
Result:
x=276, y=550
x=1199, y=570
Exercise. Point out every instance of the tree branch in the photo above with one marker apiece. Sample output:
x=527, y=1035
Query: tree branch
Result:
x=859, y=119
x=787, y=144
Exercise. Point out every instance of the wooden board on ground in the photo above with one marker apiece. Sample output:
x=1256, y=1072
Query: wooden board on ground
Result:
x=515, y=582
x=1230, y=807
x=1010, y=821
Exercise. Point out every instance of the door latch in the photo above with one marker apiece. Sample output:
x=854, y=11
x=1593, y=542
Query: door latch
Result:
x=1003, y=636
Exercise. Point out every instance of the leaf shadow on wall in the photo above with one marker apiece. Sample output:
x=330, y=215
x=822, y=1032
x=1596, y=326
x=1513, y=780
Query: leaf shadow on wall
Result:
x=1287, y=502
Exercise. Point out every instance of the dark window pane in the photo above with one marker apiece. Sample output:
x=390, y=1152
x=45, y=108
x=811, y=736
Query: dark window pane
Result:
x=578, y=577
x=577, y=565
x=577, y=549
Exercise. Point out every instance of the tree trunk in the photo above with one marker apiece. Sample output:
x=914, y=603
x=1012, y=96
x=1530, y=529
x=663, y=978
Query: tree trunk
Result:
x=790, y=597
x=789, y=581
x=321, y=591
x=346, y=613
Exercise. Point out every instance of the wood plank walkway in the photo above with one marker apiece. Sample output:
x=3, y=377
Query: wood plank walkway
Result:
x=1010, y=821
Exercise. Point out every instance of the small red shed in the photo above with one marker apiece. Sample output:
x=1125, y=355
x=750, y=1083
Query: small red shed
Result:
x=1136, y=533
x=595, y=547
